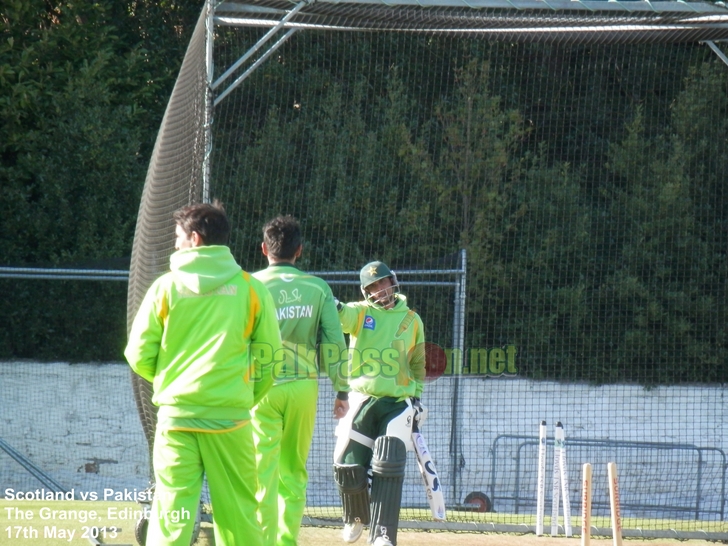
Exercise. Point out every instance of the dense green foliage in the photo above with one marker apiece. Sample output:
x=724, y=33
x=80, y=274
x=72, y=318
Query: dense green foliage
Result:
x=77, y=321
x=83, y=86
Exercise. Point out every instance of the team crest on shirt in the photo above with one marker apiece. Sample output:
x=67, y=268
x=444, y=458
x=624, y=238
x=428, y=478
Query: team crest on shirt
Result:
x=369, y=322
x=293, y=297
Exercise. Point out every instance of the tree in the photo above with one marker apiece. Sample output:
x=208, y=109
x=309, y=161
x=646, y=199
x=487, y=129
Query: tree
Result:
x=662, y=296
x=81, y=97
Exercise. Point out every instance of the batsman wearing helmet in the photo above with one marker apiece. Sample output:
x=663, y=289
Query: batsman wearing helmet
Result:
x=386, y=369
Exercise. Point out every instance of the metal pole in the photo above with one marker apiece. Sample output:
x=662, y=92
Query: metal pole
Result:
x=717, y=51
x=260, y=43
x=458, y=354
x=209, y=46
x=462, y=297
x=255, y=65
x=34, y=470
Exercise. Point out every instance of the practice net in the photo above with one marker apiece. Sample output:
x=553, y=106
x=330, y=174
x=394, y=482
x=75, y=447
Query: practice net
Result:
x=569, y=156
x=581, y=175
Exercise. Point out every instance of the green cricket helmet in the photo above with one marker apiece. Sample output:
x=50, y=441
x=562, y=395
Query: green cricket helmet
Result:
x=373, y=272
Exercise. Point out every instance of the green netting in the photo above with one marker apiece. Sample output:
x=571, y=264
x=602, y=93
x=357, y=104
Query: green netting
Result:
x=584, y=183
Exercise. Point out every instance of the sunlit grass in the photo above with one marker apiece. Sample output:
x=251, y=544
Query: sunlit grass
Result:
x=529, y=520
x=52, y=523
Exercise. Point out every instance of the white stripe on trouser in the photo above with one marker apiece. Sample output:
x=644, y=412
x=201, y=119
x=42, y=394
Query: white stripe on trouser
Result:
x=399, y=427
x=359, y=437
x=356, y=401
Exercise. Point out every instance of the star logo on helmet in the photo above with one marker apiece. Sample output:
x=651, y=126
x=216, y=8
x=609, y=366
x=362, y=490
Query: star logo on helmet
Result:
x=372, y=271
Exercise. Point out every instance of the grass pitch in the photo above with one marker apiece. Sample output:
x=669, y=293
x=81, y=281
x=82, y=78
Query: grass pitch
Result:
x=55, y=523
x=52, y=523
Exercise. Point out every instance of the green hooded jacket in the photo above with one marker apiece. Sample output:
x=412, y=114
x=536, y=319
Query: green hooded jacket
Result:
x=205, y=335
x=386, y=349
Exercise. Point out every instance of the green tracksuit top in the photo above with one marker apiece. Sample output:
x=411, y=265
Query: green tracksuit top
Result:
x=307, y=316
x=205, y=336
x=386, y=349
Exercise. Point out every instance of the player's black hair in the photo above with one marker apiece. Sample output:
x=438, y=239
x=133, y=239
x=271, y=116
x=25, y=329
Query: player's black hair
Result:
x=282, y=236
x=207, y=219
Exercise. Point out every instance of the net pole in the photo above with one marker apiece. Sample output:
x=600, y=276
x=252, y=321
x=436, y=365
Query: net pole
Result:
x=458, y=348
x=255, y=65
x=461, y=302
x=209, y=47
x=260, y=44
x=717, y=51
x=461, y=325
x=32, y=469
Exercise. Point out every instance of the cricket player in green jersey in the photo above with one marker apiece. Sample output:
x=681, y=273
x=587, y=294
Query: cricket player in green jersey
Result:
x=386, y=368
x=284, y=420
x=205, y=335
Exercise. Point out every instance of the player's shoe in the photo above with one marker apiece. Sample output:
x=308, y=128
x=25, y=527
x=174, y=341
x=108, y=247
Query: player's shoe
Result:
x=382, y=541
x=352, y=531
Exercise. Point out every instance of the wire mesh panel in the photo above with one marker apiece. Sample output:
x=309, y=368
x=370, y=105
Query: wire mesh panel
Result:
x=584, y=181
x=659, y=479
x=576, y=156
x=174, y=179
x=591, y=211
